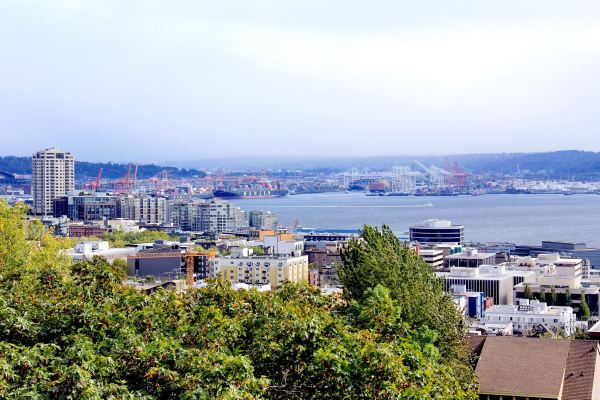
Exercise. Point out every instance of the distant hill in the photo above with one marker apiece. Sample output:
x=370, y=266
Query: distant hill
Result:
x=557, y=164
x=83, y=169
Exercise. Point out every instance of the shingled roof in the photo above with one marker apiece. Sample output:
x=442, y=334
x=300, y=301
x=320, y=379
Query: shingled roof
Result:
x=579, y=374
x=533, y=367
x=519, y=366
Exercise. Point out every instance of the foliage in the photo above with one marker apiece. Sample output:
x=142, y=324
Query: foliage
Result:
x=584, y=309
x=542, y=295
x=120, y=239
x=527, y=292
x=379, y=257
x=71, y=331
x=553, y=296
x=120, y=267
x=568, y=297
x=257, y=250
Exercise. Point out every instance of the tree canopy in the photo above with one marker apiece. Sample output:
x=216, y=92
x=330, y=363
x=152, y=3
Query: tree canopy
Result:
x=378, y=257
x=75, y=331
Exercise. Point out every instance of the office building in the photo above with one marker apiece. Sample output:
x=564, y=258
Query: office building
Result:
x=90, y=206
x=53, y=176
x=493, y=281
x=433, y=231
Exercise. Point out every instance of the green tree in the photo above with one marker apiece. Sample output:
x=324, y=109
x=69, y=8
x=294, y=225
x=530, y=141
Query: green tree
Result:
x=542, y=295
x=120, y=267
x=584, y=309
x=378, y=257
x=553, y=296
x=527, y=292
x=568, y=298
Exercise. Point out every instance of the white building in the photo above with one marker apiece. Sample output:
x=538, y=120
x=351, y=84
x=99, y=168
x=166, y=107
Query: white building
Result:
x=433, y=257
x=529, y=316
x=90, y=249
x=53, y=176
x=275, y=245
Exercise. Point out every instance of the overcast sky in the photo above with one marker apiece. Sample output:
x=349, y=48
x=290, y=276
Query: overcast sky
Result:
x=166, y=80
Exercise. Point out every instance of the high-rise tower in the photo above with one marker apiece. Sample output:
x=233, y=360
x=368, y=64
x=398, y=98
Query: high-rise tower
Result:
x=53, y=175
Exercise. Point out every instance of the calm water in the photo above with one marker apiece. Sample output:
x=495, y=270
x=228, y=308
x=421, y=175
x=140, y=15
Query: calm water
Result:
x=522, y=219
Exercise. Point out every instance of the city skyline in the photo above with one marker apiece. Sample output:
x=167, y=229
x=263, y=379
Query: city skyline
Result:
x=199, y=80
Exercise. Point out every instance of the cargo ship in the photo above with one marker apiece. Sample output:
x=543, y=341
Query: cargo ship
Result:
x=250, y=193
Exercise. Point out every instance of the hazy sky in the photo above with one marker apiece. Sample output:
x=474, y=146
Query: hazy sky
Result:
x=164, y=80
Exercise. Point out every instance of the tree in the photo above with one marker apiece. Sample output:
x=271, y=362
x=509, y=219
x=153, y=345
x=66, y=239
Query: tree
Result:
x=379, y=258
x=527, y=292
x=542, y=295
x=568, y=299
x=553, y=296
x=74, y=330
x=584, y=309
x=120, y=267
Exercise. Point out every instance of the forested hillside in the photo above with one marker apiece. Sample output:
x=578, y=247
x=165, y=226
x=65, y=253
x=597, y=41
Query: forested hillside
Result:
x=83, y=169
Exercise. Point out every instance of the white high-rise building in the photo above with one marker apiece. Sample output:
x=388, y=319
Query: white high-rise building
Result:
x=53, y=175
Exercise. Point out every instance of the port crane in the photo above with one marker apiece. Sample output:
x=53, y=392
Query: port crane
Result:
x=95, y=185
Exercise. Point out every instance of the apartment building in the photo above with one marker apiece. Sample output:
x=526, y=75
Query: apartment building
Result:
x=53, y=176
x=262, y=269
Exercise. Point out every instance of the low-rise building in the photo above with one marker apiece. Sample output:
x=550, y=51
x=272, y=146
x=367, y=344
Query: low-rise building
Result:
x=531, y=316
x=470, y=258
x=168, y=261
x=274, y=270
x=100, y=248
x=86, y=230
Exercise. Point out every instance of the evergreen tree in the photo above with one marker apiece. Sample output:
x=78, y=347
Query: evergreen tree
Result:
x=553, y=296
x=542, y=295
x=380, y=258
x=527, y=292
x=584, y=309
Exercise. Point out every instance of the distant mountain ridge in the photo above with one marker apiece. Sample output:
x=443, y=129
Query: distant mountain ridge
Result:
x=565, y=164
x=84, y=169
x=556, y=164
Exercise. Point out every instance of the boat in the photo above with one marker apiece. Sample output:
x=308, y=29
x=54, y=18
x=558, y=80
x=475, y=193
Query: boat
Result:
x=250, y=193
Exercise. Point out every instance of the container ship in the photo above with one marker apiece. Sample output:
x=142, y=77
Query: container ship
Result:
x=250, y=192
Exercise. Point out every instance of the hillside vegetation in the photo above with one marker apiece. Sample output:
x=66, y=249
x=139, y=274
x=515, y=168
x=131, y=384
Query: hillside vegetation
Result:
x=74, y=331
x=83, y=169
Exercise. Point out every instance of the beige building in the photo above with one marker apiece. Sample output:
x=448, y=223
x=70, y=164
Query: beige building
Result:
x=53, y=176
x=260, y=270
